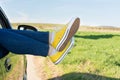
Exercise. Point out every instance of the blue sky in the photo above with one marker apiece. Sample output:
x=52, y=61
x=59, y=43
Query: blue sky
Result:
x=91, y=12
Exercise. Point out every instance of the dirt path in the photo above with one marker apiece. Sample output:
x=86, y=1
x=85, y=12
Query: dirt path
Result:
x=41, y=68
x=31, y=71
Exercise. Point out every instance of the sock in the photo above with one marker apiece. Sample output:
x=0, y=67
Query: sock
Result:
x=51, y=37
x=52, y=51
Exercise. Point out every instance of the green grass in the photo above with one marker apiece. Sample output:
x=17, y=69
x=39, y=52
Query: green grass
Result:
x=95, y=56
x=16, y=67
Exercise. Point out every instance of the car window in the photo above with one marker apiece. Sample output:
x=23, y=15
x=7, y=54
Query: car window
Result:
x=1, y=72
x=0, y=24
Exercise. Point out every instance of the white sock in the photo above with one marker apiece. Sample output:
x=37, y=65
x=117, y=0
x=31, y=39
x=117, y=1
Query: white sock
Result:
x=51, y=37
x=52, y=51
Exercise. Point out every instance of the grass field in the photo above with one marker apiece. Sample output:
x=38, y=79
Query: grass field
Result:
x=95, y=56
x=16, y=69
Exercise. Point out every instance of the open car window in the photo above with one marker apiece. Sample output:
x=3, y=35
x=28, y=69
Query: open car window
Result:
x=0, y=24
x=4, y=22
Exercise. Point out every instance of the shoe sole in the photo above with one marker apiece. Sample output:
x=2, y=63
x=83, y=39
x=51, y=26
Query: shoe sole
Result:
x=65, y=53
x=69, y=33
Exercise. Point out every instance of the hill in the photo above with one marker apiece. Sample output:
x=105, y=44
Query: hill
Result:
x=49, y=26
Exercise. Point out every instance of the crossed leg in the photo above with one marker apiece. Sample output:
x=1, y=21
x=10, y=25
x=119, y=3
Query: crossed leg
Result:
x=39, y=43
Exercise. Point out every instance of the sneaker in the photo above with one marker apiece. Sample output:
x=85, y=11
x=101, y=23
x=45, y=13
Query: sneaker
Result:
x=59, y=56
x=63, y=36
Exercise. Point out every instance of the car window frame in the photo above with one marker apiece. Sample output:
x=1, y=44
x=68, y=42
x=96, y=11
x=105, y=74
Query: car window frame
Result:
x=4, y=20
x=5, y=24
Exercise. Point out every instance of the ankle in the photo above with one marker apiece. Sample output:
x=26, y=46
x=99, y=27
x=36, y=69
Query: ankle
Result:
x=51, y=37
x=52, y=51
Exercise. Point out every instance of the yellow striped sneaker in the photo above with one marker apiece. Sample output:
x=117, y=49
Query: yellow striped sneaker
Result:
x=59, y=56
x=62, y=37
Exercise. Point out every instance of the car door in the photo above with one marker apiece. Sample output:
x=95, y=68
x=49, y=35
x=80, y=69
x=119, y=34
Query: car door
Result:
x=12, y=66
x=1, y=70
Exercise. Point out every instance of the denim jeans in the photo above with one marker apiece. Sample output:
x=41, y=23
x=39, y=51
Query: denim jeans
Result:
x=25, y=42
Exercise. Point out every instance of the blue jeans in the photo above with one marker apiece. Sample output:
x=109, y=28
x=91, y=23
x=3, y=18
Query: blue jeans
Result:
x=25, y=42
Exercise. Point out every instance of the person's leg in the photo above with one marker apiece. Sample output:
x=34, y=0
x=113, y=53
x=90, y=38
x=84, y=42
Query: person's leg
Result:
x=61, y=41
x=22, y=45
x=58, y=40
x=3, y=51
x=37, y=35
